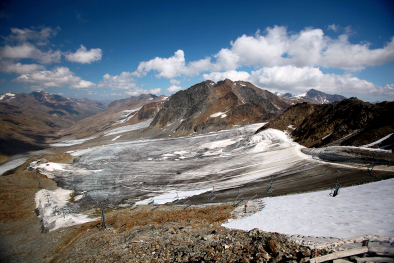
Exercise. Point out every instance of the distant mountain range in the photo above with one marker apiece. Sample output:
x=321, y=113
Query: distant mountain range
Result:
x=118, y=113
x=27, y=119
x=313, y=96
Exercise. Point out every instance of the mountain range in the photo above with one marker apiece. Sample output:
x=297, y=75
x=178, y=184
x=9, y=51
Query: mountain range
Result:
x=313, y=96
x=30, y=121
x=26, y=120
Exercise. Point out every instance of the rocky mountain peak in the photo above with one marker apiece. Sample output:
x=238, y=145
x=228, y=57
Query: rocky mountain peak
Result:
x=206, y=107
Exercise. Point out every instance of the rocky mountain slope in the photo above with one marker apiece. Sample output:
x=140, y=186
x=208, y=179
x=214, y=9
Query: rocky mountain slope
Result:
x=207, y=107
x=118, y=113
x=27, y=119
x=347, y=122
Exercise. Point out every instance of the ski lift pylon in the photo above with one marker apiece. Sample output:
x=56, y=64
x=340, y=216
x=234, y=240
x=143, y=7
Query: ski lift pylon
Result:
x=370, y=168
x=335, y=190
x=212, y=196
x=270, y=189
x=240, y=198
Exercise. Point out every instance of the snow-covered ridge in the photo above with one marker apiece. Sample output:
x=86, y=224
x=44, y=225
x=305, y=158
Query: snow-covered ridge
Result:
x=9, y=94
x=301, y=95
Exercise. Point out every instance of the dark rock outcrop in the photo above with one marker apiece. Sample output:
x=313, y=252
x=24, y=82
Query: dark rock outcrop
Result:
x=347, y=122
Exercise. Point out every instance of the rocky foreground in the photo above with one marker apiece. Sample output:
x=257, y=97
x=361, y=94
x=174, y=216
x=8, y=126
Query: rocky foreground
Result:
x=176, y=235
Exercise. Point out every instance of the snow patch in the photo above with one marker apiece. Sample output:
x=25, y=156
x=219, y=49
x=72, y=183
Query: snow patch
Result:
x=222, y=114
x=377, y=142
x=9, y=94
x=325, y=137
x=127, y=114
x=72, y=142
x=117, y=137
x=128, y=128
x=357, y=210
x=171, y=196
x=52, y=209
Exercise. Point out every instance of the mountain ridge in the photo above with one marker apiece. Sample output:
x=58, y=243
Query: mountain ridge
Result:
x=350, y=122
x=27, y=120
x=207, y=106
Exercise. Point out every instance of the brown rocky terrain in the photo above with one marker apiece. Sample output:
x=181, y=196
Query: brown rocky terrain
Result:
x=145, y=107
x=348, y=122
x=26, y=120
x=207, y=107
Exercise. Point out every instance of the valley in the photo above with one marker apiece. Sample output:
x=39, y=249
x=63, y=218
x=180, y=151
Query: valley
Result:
x=193, y=154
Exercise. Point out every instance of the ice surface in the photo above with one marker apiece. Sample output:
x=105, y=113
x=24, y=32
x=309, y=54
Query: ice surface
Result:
x=12, y=164
x=356, y=211
x=72, y=142
x=128, y=128
x=159, y=169
x=146, y=168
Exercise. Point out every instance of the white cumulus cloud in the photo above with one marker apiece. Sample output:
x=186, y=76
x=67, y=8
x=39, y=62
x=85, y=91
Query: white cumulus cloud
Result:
x=231, y=74
x=154, y=91
x=38, y=35
x=82, y=55
x=10, y=67
x=58, y=77
x=124, y=81
x=135, y=92
x=83, y=84
x=174, y=88
x=293, y=79
x=167, y=67
x=27, y=50
x=333, y=27
x=175, y=82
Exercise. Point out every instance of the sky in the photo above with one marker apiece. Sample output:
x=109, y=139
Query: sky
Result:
x=112, y=50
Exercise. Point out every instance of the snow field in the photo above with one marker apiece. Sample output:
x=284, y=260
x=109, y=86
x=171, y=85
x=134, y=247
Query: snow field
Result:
x=72, y=142
x=12, y=164
x=171, y=196
x=52, y=209
x=157, y=170
x=357, y=210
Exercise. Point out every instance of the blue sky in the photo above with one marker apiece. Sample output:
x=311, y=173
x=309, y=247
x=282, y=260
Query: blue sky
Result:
x=113, y=50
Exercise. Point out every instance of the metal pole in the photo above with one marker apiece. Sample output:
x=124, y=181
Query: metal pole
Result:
x=102, y=217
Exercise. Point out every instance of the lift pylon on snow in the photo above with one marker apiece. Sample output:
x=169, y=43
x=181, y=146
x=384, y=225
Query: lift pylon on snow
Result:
x=270, y=189
x=335, y=190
